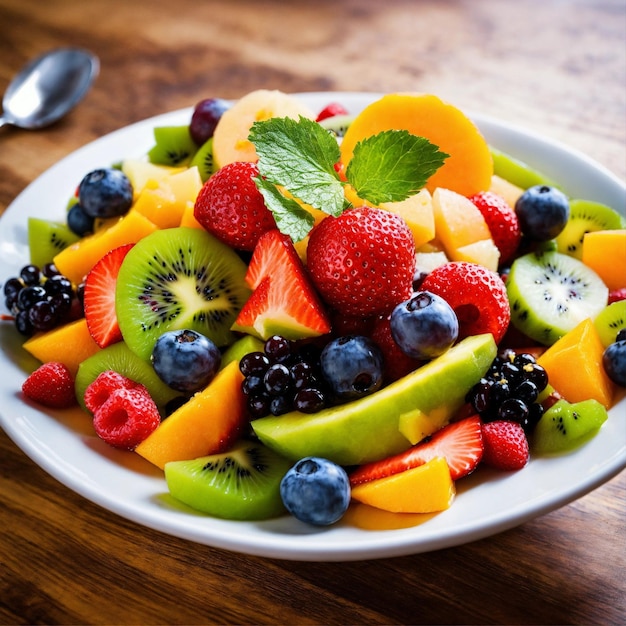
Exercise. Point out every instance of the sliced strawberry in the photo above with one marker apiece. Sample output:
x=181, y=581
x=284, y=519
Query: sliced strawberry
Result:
x=284, y=301
x=460, y=443
x=506, y=445
x=51, y=385
x=99, y=297
x=617, y=294
x=330, y=110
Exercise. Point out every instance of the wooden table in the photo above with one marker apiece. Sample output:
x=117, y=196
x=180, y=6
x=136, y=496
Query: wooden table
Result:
x=557, y=68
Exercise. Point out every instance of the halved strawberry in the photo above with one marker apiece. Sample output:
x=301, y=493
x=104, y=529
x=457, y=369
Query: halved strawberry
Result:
x=284, y=301
x=460, y=443
x=99, y=297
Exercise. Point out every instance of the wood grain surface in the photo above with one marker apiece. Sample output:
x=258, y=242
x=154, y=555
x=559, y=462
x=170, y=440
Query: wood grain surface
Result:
x=556, y=67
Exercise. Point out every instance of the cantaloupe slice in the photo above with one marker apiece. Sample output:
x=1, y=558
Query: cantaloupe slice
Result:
x=230, y=140
x=604, y=251
x=69, y=344
x=469, y=167
x=207, y=424
x=574, y=366
x=76, y=260
x=424, y=489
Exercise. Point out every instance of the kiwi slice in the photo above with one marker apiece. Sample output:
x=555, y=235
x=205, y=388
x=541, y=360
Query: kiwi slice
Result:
x=119, y=358
x=566, y=426
x=174, y=146
x=337, y=124
x=585, y=217
x=517, y=172
x=610, y=321
x=46, y=239
x=204, y=161
x=550, y=293
x=179, y=278
x=241, y=484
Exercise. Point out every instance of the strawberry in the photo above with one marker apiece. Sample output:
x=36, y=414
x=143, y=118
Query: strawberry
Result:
x=330, y=110
x=362, y=262
x=231, y=207
x=617, y=294
x=477, y=295
x=51, y=385
x=460, y=443
x=506, y=445
x=99, y=297
x=126, y=418
x=284, y=301
x=502, y=223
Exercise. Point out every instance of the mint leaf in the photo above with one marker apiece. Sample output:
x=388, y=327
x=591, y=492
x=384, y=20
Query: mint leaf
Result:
x=300, y=155
x=291, y=218
x=392, y=165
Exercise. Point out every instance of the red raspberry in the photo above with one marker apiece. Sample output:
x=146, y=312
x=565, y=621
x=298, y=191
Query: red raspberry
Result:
x=51, y=385
x=505, y=445
x=330, y=110
x=99, y=391
x=477, y=295
x=126, y=418
x=502, y=223
x=362, y=262
x=230, y=206
x=617, y=294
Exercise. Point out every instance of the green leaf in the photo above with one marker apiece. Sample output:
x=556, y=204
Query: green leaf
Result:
x=300, y=155
x=392, y=165
x=291, y=218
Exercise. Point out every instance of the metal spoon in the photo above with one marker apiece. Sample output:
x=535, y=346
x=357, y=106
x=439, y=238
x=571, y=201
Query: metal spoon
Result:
x=48, y=87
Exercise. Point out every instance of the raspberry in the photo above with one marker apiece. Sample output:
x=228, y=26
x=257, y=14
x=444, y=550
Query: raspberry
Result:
x=126, y=418
x=501, y=221
x=505, y=445
x=362, y=262
x=477, y=295
x=51, y=385
x=230, y=206
x=617, y=294
x=99, y=391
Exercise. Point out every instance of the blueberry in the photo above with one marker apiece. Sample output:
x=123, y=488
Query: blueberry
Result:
x=79, y=222
x=185, y=360
x=424, y=326
x=614, y=361
x=105, y=192
x=352, y=366
x=316, y=491
x=542, y=212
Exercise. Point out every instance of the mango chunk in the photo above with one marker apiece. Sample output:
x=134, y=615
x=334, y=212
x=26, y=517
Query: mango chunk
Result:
x=604, y=251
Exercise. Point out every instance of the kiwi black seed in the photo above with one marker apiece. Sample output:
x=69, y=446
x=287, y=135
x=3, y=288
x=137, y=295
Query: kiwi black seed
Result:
x=550, y=293
x=174, y=146
x=46, y=239
x=179, y=278
x=585, y=217
x=337, y=124
x=241, y=484
x=203, y=160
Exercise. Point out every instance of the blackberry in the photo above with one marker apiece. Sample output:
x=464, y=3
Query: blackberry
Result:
x=510, y=390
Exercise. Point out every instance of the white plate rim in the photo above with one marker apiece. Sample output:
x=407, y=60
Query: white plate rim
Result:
x=134, y=492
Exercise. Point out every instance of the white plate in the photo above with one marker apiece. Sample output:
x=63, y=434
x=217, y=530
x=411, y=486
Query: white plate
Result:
x=63, y=443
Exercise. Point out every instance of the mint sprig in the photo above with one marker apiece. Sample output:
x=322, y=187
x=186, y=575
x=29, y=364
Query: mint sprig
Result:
x=299, y=156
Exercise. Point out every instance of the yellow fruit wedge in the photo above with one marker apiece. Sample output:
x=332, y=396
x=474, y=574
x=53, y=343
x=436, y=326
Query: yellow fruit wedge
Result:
x=207, y=424
x=69, y=344
x=483, y=253
x=139, y=172
x=505, y=189
x=424, y=489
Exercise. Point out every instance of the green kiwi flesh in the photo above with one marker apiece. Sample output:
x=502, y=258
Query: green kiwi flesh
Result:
x=585, y=217
x=337, y=124
x=550, y=293
x=119, y=358
x=241, y=484
x=566, y=426
x=610, y=321
x=174, y=146
x=179, y=278
x=204, y=161
x=46, y=239
x=517, y=172
x=244, y=345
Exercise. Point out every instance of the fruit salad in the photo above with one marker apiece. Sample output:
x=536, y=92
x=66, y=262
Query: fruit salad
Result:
x=291, y=311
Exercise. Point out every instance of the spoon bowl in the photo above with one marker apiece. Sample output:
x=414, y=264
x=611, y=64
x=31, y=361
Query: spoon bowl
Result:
x=48, y=87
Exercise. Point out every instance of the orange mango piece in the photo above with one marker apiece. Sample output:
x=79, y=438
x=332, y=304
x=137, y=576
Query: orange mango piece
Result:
x=469, y=167
x=69, y=344
x=604, y=251
x=207, y=424
x=574, y=366
x=424, y=489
